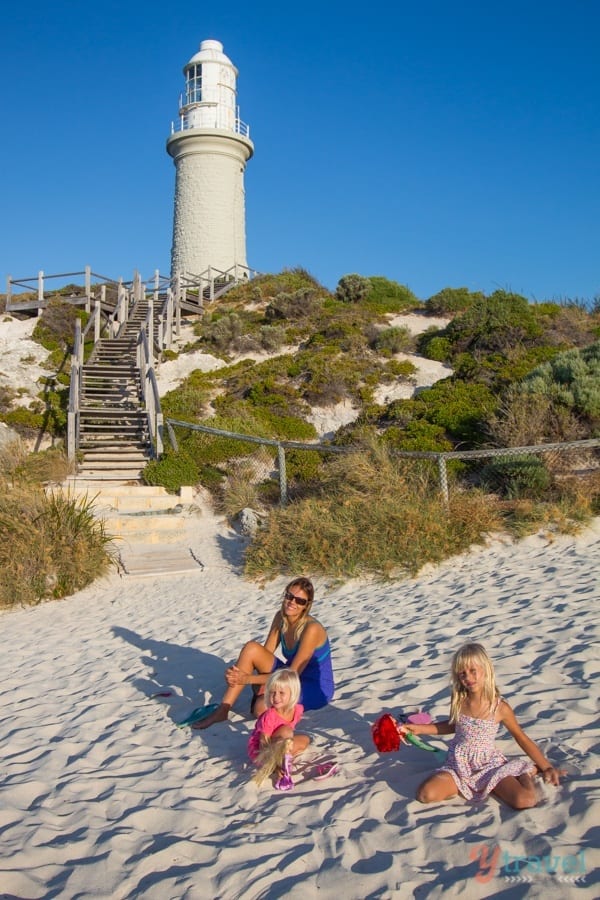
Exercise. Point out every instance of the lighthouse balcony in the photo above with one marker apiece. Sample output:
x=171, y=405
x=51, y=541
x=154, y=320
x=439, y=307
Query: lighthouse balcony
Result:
x=189, y=120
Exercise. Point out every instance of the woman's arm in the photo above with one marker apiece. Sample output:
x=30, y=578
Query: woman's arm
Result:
x=313, y=636
x=274, y=636
x=509, y=720
x=236, y=675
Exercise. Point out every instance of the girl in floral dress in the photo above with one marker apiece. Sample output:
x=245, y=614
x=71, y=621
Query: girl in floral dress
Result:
x=474, y=767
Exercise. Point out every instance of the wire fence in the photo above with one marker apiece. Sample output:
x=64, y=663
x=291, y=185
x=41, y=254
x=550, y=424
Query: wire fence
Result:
x=268, y=460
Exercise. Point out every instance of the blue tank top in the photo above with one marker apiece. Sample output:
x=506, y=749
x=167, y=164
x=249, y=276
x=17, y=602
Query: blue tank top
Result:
x=316, y=680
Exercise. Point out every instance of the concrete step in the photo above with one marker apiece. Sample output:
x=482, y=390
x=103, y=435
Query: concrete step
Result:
x=127, y=498
x=148, y=526
x=127, y=476
x=160, y=560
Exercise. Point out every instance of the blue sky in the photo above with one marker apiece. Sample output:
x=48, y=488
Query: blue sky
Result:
x=436, y=143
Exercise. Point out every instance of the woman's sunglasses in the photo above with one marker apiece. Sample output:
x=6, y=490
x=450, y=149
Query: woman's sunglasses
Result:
x=299, y=601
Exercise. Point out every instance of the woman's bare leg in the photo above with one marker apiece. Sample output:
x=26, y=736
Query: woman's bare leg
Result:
x=253, y=658
x=439, y=786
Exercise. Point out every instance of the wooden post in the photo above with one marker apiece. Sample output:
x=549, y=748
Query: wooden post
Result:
x=97, y=317
x=88, y=288
x=443, y=478
x=40, y=292
x=282, y=475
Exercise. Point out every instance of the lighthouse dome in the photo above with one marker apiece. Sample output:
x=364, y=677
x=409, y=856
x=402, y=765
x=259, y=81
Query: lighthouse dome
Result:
x=210, y=52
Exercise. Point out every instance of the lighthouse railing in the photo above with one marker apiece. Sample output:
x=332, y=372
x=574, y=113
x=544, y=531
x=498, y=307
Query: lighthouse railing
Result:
x=187, y=122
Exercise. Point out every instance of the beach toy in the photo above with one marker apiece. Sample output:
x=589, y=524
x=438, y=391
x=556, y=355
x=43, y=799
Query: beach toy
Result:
x=201, y=712
x=326, y=770
x=285, y=781
x=419, y=718
x=275, y=756
x=386, y=736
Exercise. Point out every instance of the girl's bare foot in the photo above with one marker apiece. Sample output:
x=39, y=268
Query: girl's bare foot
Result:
x=220, y=715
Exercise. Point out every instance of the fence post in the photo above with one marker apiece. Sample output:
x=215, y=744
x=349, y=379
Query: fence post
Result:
x=160, y=442
x=88, y=288
x=40, y=292
x=97, y=319
x=443, y=478
x=282, y=475
x=172, y=437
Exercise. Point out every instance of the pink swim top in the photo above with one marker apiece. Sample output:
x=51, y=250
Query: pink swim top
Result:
x=269, y=722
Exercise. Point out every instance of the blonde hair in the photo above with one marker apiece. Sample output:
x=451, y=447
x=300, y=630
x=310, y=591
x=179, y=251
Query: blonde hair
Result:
x=306, y=585
x=467, y=654
x=271, y=758
x=285, y=678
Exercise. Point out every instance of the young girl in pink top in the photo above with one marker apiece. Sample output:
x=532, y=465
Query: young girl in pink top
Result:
x=273, y=743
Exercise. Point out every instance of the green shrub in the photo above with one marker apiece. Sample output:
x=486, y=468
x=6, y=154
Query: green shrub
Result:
x=571, y=379
x=461, y=408
x=450, y=301
x=55, y=328
x=417, y=435
x=189, y=400
x=352, y=288
x=222, y=331
x=387, y=296
x=434, y=347
x=304, y=466
x=517, y=477
x=265, y=287
x=399, y=368
x=24, y=421
x=299, y=305
x=493, y=323
x=388, y=341
x=172, y=471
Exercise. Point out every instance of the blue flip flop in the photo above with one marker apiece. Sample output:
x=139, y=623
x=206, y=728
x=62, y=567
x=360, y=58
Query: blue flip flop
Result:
x=201, y=712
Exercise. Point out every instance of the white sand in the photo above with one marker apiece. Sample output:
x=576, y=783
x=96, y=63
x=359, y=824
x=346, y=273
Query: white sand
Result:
x=102, y=796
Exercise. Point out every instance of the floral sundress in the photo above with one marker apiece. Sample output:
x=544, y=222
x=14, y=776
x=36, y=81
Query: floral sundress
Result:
x=473, y=760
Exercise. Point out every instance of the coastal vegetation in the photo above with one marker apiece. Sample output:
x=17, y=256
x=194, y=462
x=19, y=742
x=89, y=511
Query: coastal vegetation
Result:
x=520, y=374
x=508, y=357
x=51, y=544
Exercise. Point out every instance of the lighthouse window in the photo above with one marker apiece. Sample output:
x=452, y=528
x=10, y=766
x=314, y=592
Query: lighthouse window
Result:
x=194, y=84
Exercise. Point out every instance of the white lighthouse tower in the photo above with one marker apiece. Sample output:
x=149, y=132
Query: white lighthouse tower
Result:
x=210, y=149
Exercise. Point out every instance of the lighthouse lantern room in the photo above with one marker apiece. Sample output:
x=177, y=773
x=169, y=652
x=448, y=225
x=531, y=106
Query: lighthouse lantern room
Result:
x=210, y=149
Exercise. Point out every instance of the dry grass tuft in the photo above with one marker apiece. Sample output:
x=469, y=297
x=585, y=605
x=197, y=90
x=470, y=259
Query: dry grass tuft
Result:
x=50, y=544
x=372, y=517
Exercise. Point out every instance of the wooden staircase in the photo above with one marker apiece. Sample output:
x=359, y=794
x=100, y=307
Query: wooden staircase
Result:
x=114, y=437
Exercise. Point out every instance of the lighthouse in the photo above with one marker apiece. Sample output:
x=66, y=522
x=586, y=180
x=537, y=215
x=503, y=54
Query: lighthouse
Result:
x=210, y=147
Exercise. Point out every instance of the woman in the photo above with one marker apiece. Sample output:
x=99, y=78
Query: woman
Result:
x=304, y=645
